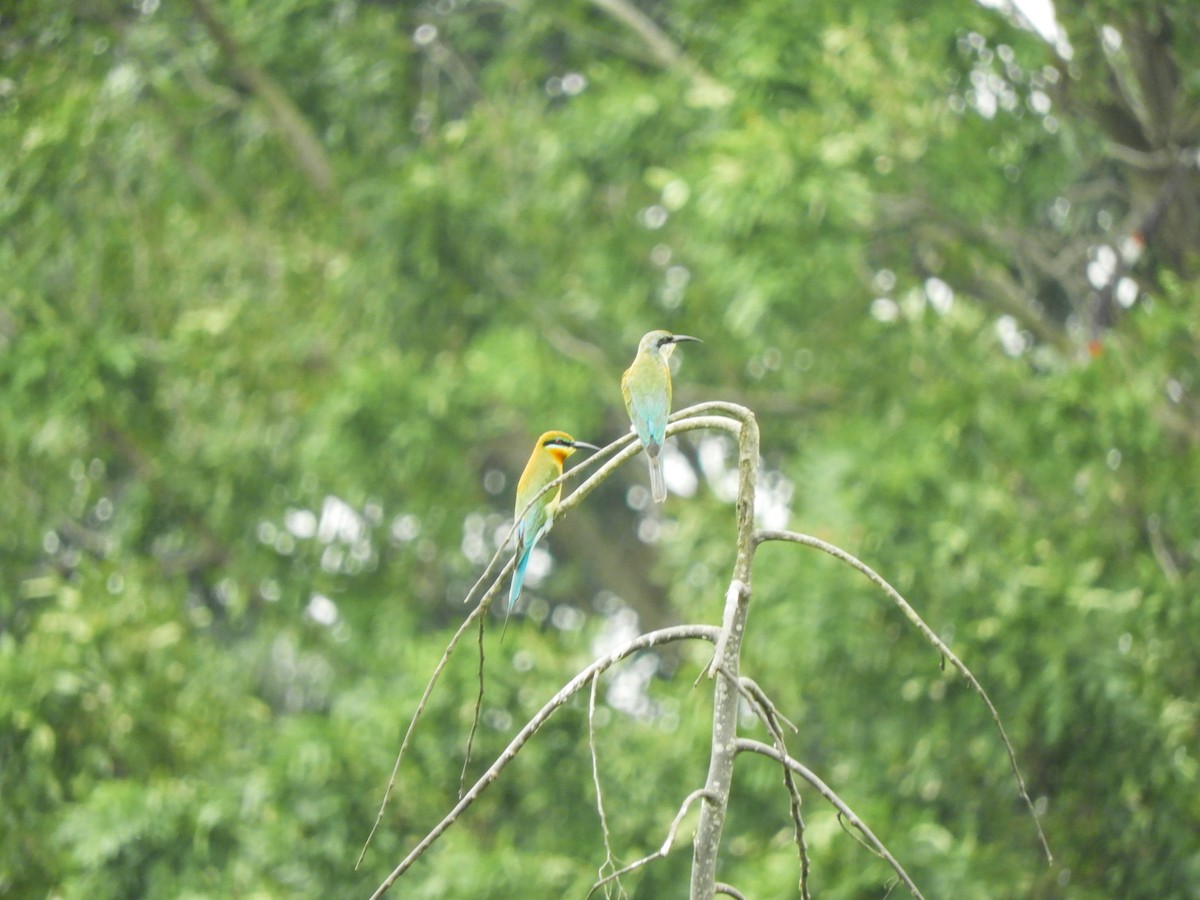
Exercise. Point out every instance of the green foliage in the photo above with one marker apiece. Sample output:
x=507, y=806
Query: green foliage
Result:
x=260, y=433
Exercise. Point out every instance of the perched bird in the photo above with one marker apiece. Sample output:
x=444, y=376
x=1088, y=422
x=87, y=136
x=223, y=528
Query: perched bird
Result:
x=545, y=464
x=646, y=386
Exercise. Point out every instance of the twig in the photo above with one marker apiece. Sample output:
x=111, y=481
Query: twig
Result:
x=496, y=557
x=644, y=642
x=729, y=890
x=481, y=608
x=735, y=595
x=808, y=541
x=748, y=746
x=462, y=776
x=608, y=863
x=662, y=851
x=437, y=671
x=761, y=697
x=478, y=611
x=771, y=717
x=624, y=448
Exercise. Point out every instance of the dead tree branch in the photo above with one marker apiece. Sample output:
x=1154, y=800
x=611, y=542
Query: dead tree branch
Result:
x=645, y=642
x=661, y=852
x=939, y=645
x=728, y=689
x=747, y=746
x=726, y=657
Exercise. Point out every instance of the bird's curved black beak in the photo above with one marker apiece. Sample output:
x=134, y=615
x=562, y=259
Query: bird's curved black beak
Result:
x=584, y=445
x=676, y=338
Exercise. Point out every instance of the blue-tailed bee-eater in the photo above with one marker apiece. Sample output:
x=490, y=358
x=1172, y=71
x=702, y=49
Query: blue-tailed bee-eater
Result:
x=545, y=464
x=646, y=386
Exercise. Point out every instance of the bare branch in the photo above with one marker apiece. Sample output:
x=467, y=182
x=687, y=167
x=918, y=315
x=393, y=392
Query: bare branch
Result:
x=626, y=448
x=765, y=708
x=735, y=596
x=748, y=746
x=496, y=557
x=733, y=410
x=609, y=862
x=725, y=693
x=760, y=696
x=738, y=421
x=729, y=890
x=621, y=450
x=939, y=645
x=437, y=672
x=661, y=851
x=644, y=642
x=462, y=776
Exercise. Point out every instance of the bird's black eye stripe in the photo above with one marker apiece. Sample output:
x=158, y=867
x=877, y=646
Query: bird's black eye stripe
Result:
x=663, y=341
x=558, y=442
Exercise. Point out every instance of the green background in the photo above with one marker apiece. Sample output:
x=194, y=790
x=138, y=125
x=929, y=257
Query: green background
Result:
x=288, y=289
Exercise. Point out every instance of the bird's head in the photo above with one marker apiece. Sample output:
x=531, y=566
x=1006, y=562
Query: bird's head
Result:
x=663, y=342
x=560, y=445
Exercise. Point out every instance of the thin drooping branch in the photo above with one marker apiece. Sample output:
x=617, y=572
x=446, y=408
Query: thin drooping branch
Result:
x=727, y=646
x=661, y=852
x=437, y=672
x=748, y=746
x=493, y=583
x=609, y=861
x=938, y=643
x=644, y=642
x=759, y=696
x=707, y=842
x=462, y=776
x=765, y=708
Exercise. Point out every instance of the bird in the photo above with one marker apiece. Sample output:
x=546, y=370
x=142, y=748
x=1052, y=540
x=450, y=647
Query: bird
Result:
x=545, y=464
x=646, y=386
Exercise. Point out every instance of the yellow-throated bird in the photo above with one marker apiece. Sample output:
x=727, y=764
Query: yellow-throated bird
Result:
x=545, y=464
x=646, y=386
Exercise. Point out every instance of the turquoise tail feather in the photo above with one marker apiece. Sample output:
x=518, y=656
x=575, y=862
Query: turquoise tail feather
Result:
x=518, y=578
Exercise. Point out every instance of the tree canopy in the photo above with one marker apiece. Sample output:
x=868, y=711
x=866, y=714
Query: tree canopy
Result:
x=290, y=288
